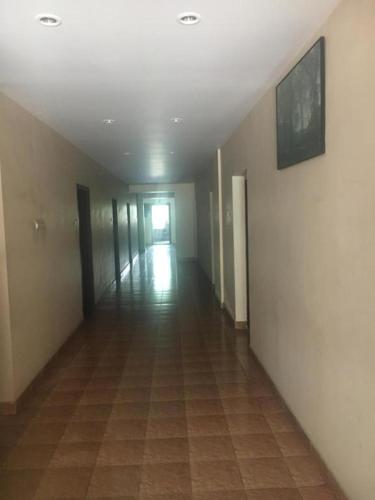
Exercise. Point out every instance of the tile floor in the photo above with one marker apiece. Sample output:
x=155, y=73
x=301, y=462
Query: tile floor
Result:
x=156, y=398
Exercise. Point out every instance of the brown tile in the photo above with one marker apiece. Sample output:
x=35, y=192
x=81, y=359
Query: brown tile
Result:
x=63, y=398
x=84, y=431
x=55, y=414
x=134, y=394
x=43, y=433
x=293, y=444
x=166, y=409
x=75, y=455
x=281, y=422
x=247, y=423
x=306, y=471
x=158, y=479
x=34, y=456
x=241, y=405
x=130, y=410
x=255, y=446
x=115, y=481
x=166, y=450
x=127, y=452
x=168, y=496
x=64, y=483
x=215, y=476
x=125, y=429
x=220, y=495
x=272, y=405
x=10, y=434
x=161, y=428
x=199, y=379
x=207, y=425
x=19, y=484
x=265, y=473
x=167, y=380
x=98, y=397
x=212, y=448
x=274, y=494
x=94, y=412
x=201, y=392
x=317, y=493
x=167, y=394
x=204, y=407
x=233, y=390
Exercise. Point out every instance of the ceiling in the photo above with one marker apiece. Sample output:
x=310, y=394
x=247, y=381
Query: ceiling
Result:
x=130, y=60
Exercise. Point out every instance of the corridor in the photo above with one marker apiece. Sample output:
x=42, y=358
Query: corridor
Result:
x=156, y=398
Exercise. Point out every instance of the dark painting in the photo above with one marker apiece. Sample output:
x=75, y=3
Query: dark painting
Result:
x=301, y=110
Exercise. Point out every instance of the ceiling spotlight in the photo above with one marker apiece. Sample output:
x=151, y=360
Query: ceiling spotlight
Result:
x=108, y=121
x=189, y=18
x=49, y=20
x=177, y=119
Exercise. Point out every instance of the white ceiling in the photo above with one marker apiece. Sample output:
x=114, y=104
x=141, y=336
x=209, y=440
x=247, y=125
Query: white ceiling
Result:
x=130, y=60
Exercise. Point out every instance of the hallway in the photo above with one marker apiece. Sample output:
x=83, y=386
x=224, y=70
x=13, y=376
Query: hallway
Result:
x=156, y=398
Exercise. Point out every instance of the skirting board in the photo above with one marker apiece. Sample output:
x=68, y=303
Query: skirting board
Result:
x=238, y=325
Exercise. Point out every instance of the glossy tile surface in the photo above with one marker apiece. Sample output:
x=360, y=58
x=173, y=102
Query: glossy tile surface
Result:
x=156, y=398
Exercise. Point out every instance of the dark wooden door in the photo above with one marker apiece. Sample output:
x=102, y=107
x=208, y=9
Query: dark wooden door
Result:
x=85, y=244
x=116, y=241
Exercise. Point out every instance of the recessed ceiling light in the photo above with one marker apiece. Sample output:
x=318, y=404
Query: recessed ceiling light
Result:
x=49, y=20
x=108, y=121
x=172, y=152
x=177, y=119
x=189, y=18
x=127, y=153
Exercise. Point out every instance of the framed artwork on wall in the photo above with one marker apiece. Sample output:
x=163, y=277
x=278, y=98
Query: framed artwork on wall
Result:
x=300, y=109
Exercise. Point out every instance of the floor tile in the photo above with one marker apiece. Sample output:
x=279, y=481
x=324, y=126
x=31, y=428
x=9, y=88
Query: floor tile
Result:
x=64, y=483
x=255, y=446
x=35, y=456
x=80, y=454
x=265, y=473
x=216, y=476
x=127, y=452
x=306, y=471
x=115, y=481
x=165, y=479
x=211, y=448
x=212, y=425
x=19, y=484
x=166, y=450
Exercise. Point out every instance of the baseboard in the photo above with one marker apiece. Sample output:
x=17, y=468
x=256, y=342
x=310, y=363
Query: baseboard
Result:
x=8, y=408
x=187, y=259
x=331, y=480
x=240, y=325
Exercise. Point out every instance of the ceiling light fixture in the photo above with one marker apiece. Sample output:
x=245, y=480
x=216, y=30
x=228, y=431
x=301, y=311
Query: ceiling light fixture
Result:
x=189, y=18
x=108, y=121
x=177, y=119
x=49, y=20
x=127, y=153
x=172, y=152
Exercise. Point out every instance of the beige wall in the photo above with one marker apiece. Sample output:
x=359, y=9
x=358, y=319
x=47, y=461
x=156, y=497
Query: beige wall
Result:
x=40, y=171
x=312, y=255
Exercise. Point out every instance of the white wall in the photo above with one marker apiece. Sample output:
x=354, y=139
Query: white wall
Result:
x=312, y=248
x=39, y=174
x=185, y=206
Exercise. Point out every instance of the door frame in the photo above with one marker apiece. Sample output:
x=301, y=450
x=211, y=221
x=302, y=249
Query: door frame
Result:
x=116, y=240
x=169, y=242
